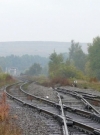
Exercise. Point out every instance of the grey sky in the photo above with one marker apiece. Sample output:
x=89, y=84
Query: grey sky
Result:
x=49, y=20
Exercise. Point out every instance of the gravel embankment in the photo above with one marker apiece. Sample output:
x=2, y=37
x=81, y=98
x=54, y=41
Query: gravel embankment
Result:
x=43, y=92
x=29, y=121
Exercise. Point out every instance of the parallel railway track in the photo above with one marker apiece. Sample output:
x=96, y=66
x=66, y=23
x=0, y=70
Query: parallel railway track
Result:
x=55, y=122
x=81, y=98
x=61, y=112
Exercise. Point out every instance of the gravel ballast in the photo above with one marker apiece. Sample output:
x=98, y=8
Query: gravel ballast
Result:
x=42, y=91
x=29, y=121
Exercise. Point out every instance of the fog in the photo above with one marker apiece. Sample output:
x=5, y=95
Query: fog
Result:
x=36, y=48
x=49, y=20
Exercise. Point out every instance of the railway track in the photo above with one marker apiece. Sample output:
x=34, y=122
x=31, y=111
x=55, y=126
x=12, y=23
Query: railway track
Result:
x=61, y=112
x=79, y=98
x=55, y=122
x=92, y=98
x=80, y=117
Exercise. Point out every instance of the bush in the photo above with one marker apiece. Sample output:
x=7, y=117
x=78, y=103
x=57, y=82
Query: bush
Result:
x=5, y=79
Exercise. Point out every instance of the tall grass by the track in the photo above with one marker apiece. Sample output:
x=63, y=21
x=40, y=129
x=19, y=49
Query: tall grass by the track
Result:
x=7, y=125
x=95, y=85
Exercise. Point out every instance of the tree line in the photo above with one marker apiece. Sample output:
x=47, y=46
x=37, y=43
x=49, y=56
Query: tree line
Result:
x=78, y=64
x=22, y=63
x=74, y=64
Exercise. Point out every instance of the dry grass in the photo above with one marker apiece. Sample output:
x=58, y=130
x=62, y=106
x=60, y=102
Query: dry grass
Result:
x=90, y=84
x=56, y=82
x=7, y=128
x=7, y=125
x=4, y=108
x=6, y=79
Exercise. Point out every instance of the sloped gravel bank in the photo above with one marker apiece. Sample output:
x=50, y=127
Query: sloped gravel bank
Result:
x=29, y=121
x=43, y=92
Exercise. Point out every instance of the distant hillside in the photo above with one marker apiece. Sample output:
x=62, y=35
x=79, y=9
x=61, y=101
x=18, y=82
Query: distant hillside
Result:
x=41, y=48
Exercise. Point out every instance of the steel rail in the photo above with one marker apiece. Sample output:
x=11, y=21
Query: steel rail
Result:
x=80, y=97
x=59, y=117
x=87, y=114
x=86, y=94
x=56, y=116
x=91, y=106
x=65, y=107
x=84, y=126
x=63, y=116
x=37, y=97
x=58, y=105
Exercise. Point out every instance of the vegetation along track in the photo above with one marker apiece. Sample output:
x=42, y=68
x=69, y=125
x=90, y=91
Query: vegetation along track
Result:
x=70, y=125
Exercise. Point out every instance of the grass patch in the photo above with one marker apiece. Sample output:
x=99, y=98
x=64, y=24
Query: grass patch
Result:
x=25, y=86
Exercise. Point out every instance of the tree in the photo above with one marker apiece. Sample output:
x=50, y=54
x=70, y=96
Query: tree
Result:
x=56, y=60
x=75, y=47
x=1, y=70
x=94, y=56
x=35, y=69
x=77, y=56
x=22, y=62
x=60, y=69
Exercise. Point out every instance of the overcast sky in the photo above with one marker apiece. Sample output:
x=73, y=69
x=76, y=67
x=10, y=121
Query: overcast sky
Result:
x=49, y=20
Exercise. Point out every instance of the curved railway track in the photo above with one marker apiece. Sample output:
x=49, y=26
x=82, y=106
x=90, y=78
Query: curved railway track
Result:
x=15, y=92
x=66, y=115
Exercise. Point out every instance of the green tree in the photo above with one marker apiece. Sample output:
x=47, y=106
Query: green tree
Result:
x=1, y=70
x=56, y=60
x=60, y=69
x=94, y=56
x=77, y=56
x=75, y=47
x=22, y=62
x=35, y=69
x=69, y=71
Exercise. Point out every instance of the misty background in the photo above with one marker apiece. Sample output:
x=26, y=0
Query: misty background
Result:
x=41, y=48
x=49, y=20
